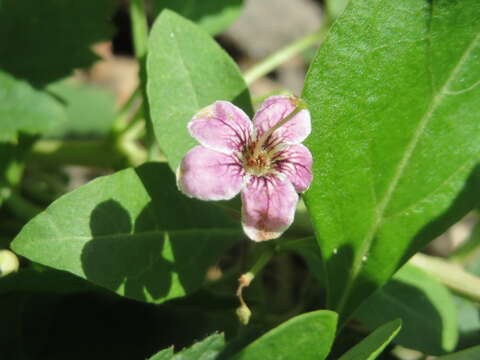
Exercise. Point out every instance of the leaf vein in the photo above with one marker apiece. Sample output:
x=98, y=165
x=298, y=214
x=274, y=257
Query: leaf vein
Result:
x=380, y=209
x=443, y=183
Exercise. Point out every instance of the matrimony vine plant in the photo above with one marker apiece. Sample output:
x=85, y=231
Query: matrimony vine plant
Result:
x=208, y=214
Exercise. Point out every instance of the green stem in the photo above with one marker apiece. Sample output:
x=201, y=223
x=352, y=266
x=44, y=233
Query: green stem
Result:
x=451, y=275
x=138, y=18
x=124, y=115
x=271, y=62
x=264, y=254
x=132, y=123
x=263, y=258
x=139, y=24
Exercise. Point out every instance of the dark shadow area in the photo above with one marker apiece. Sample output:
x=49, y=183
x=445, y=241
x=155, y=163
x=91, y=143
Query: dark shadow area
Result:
x=96, y=324
x=122, y=40
x=117, y=255
x=44, y=326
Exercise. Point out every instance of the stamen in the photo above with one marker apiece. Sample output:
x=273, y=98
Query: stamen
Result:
x=300, y=105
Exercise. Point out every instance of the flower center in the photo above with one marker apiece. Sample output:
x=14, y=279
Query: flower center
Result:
x=257, y=162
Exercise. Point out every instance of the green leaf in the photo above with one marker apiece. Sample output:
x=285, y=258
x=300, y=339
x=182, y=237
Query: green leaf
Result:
x=372, y=346
x=131, y=232
x=213, y=15
x=90, y=110
x=472, y=353
x=307, y=336
x=394, y=102
x=24, y=109
x=187, y=70
x=425, y=306
x=43, y=41
x=165, y=354
x=207, y=349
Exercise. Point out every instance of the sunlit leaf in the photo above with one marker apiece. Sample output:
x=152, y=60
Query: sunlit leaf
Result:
x=207, y=349
x=394, y=98
x=308, y=336
x=187, y=70
x=131, y=232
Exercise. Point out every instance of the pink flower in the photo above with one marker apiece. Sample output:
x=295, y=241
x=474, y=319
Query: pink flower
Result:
x=264, y=161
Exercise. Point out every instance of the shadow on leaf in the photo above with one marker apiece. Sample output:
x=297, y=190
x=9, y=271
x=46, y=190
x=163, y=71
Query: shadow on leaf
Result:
x=422, y=329
x=119, y=257
x=166, y=250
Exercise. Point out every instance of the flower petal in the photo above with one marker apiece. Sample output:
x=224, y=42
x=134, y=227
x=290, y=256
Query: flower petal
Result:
x=221, y=126
x=276, y=108
x=268, y=207
x=295, y=162
x=209, y=175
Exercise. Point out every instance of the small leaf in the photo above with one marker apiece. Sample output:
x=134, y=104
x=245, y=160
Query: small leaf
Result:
x=43, y=41
x=207, y=349
x=310, y=334
x=165, y=354
x=372, y=346
x=24, y=109
x=213, y=15
x=472, y=353
x=394, y=99
x=425, y=306
x=187, y=70
x=90, y=110
x=131, y=232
